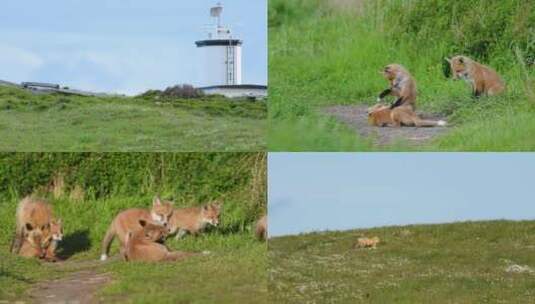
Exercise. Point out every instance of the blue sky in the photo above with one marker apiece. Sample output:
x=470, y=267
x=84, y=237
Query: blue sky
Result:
x=339, y=191
x=125, y=46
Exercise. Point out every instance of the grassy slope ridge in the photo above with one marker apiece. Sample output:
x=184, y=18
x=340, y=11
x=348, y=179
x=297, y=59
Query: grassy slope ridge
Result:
x=326, y=53
x=118, y=181
x=72, y=123
x=446, y=263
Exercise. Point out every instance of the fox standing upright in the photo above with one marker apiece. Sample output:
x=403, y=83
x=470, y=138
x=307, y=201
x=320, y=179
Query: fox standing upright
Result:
x=128, y=220
x=402, y=85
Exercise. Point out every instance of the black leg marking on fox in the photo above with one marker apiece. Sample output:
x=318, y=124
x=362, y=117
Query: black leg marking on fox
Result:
x=384, y=93
x=397, y=103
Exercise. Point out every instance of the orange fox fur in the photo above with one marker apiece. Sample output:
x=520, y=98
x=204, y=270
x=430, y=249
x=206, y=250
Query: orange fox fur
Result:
x=52, y=242
x=481, y=78
x=365, y=242
x=128, y=220
x=33, y=227
x=261, y=228
x=194, y=219
x=140, y=245
x=382, y=115
x=402, y=85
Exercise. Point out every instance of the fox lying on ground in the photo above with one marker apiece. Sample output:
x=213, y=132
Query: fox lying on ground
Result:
x=34, y=225
x=402, y=85
x=482, y=78
x=382, y=115
x=140, y=245
x=194, y=219
x=261, y=228
x=365, y=242
x=128, y=220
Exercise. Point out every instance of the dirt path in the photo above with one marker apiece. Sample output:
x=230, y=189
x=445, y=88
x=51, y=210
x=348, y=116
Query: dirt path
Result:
x=357, y=118
x=78, y=287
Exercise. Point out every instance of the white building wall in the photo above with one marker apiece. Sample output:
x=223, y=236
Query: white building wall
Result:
x=236, y=92
x=237, y=60
x=215, y=65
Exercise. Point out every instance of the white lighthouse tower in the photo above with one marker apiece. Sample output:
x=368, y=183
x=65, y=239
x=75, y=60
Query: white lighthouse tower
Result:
x=222, y=65
x=222, y=53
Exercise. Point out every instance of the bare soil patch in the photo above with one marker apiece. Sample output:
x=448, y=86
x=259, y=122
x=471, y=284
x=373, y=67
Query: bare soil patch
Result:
x=357, y=117
x=79, y=287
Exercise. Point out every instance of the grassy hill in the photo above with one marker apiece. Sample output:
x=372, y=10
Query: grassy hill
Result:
x=448, y=263
x=110, y=182
x=58, y=122
x=326, y=53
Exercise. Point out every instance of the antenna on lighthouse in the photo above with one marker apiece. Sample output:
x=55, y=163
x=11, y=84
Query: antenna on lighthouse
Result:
x=215, y=12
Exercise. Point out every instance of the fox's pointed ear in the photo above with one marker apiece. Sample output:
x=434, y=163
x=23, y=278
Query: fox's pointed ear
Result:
x=447, y=59
x=142, y=223
x=29, y=227
x=461, y=60
x=156, y=201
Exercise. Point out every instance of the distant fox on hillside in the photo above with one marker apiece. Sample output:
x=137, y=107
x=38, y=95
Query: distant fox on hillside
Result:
x=365, y=242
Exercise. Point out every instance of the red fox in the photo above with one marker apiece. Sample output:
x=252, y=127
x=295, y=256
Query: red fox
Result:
x=128, y=220
x=140, y=245
x=33, y=219
x=56, y=236
x=402, y=85
x=382, y=115
x=31, y=243
x=482, y=78
x=261, y=228
x=367, y=242
x=194, y=219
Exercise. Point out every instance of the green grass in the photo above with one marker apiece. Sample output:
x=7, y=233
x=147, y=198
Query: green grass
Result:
x=232, y=273
x=446, y=263
x=322, y=55
x=73, y=123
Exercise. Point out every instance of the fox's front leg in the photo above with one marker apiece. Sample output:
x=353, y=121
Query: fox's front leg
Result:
x=383, y=94
x=397, y=103
x=16, y=243
x=51, y=252
x=180, y=234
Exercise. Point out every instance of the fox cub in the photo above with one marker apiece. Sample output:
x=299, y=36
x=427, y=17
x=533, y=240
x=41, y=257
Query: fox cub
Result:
x=194, y=219
x=381, y=115
x=365, y=242
x=128, y=220
x=37, y=232
x=402, y=85
x=481, y=78
x=141, y=245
